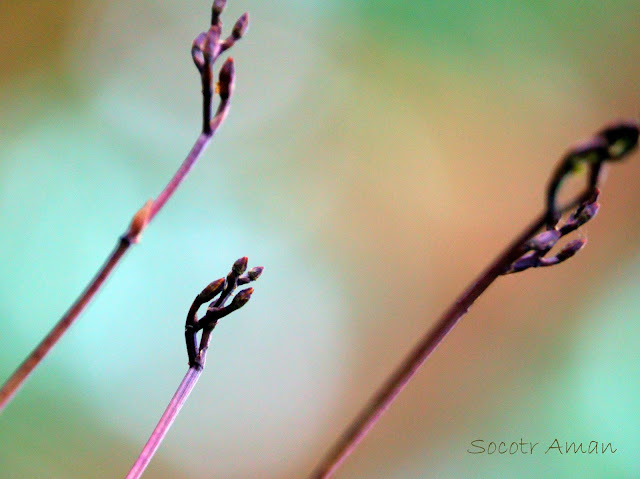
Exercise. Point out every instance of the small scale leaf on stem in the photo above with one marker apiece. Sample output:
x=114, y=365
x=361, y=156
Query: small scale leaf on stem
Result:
x=139, y=223
x=197, y=51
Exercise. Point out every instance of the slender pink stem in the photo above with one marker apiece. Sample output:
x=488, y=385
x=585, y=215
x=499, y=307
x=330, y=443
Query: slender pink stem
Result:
x=196, y=151
x=198, y=148
x=15, y=381
x=167, y=419
x=13, y=384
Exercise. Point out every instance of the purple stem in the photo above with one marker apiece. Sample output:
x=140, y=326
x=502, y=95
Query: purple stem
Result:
x=167, y=419
x=15, y=381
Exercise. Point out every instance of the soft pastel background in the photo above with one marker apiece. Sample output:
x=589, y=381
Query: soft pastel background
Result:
x=377, y=155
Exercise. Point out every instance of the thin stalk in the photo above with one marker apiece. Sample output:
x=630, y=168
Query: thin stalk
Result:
x=167, y=419
x=10, y=388
x=198, y=148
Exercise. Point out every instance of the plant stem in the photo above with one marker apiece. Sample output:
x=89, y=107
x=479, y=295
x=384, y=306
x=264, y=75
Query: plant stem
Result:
x=10, y=388
x=401, y=376
x=167, y=419
x=12, y=385
x=197, y=149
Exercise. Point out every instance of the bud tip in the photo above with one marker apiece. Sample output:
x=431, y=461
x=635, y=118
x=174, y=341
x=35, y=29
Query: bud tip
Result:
x=241, y=26
x=255, y=272
x=242, y=297
x=240, y=266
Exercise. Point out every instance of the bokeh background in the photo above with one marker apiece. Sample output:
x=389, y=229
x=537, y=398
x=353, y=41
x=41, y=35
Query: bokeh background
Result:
x=378, y=154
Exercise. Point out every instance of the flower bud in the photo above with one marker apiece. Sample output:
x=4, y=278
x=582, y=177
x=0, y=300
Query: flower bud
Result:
x=225, y=79
x=591, y=151
x=241, y=298
x=216, y=10
x=240, y=266
x=545, y=240
x=241, y=27
x=212, y=290
x=621, y=138
x=570, y=249
x=254, y=273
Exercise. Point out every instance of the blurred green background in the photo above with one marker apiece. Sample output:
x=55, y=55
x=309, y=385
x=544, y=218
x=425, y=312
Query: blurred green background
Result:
x=376, y=156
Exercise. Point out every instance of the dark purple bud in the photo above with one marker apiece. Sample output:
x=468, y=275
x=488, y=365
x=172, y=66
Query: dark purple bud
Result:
x=254, y=273
x=545, y=240
x=240, y=266
x=621, y=138
x=241, y=298
x=570, y=249
x=591, y=151
x=225, y=79
x=212, y=290
x=216, y=10
x=251, y=275
x=588, y=212
x=241, y=26
x=529, y=260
